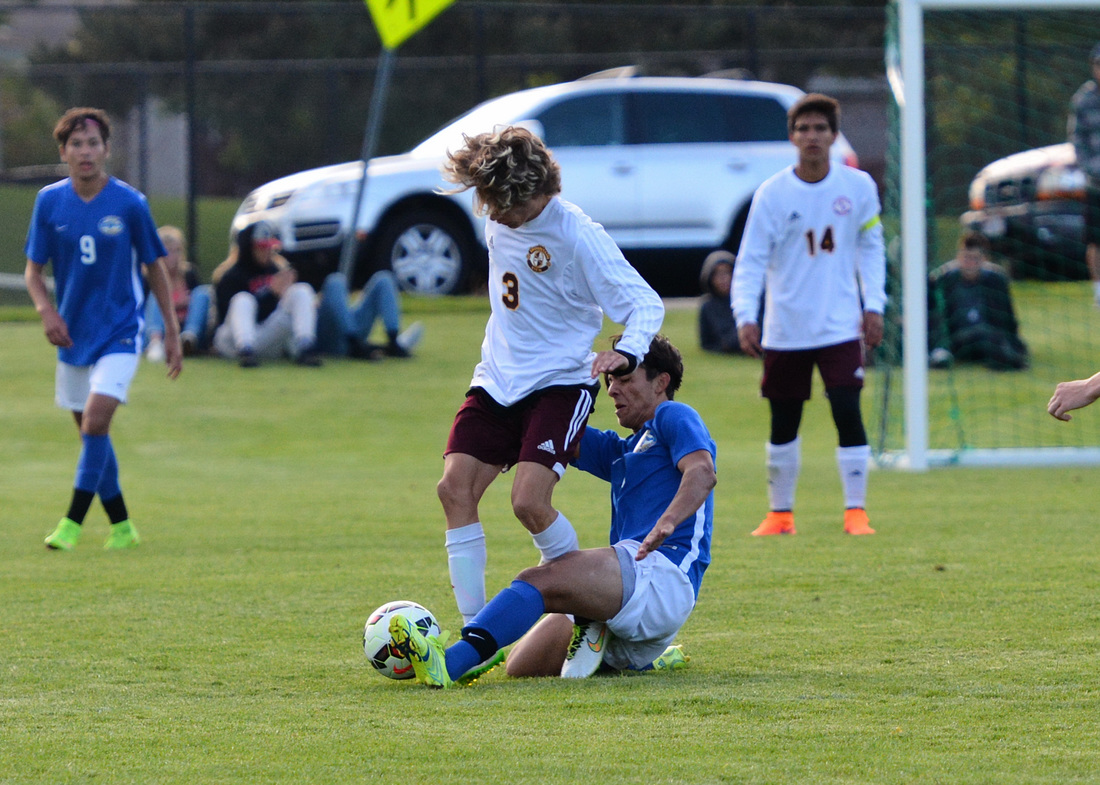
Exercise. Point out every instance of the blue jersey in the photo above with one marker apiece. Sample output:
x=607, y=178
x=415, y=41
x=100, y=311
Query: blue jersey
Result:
x=644, y=479
x=95, y=248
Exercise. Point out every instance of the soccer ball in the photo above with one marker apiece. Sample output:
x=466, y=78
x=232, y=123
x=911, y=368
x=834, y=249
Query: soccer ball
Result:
x=377, y=644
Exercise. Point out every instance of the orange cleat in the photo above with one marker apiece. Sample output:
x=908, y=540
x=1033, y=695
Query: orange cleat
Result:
x=856, y=521
x=776, y=523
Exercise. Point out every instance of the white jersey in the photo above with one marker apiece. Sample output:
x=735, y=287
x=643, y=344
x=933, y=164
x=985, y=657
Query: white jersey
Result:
x=815, y=251
x=550, y=283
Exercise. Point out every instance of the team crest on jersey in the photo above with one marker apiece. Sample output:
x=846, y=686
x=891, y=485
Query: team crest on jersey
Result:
x=842, y=205
x=538, y=259
x=647, y=441
x=110, y=225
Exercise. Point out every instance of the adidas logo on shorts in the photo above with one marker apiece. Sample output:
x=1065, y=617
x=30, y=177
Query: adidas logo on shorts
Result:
x=548, y=446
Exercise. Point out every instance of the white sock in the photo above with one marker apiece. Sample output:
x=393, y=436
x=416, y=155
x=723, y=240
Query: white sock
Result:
x=852, y=463
x=557, y=539
x=784, y=461
x=1096, y=290
x=466, y=558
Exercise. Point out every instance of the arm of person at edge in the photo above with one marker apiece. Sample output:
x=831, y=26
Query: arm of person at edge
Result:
x=698, y=479
x=1073, y=395
x=57, y=332
x=157, y=276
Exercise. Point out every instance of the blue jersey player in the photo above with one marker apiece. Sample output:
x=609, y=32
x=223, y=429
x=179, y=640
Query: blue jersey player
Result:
x=628, y=601
x=95, y=231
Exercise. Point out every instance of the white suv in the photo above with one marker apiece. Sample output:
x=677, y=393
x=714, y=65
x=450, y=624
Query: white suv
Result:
x=668, y=165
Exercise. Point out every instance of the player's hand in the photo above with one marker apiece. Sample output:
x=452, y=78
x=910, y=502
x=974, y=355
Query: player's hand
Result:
x=748, y=335
x=282, y=280
x=872, y=329
x=1069, y=396
x=608, y=362
x=57, y=332
x=173, y=357
x=656, y=537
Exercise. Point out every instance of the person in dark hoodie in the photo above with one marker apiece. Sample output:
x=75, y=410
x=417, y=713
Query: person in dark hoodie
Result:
x=263, y=310
x=717, y=329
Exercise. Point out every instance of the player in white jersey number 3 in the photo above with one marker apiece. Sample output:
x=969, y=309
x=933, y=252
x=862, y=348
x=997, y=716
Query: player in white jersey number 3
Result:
x=813, y=249
x=553, y=274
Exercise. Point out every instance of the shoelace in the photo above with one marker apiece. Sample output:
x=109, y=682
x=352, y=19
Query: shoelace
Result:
x=579, y=632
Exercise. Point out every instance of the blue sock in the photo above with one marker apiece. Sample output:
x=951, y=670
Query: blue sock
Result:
x=504, y=620
x=108, y=487
x=93, y=461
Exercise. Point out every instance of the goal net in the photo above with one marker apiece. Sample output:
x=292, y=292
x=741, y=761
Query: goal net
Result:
x=973, y=83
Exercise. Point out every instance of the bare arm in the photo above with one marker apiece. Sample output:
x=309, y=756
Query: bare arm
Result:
x=696, y=484
x=158, y=285
x=1073, y=395
x=57, y=332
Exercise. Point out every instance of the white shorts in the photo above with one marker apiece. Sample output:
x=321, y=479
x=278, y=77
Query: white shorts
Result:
x=110, y=375
x=661, y=602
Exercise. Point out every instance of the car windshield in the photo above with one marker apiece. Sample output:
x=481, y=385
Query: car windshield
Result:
x=496, y=111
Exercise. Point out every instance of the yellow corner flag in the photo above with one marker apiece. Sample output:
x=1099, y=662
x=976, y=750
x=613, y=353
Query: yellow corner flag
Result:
x=397, y=20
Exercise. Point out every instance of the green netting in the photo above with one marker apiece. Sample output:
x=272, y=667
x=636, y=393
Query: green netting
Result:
x=996, y=83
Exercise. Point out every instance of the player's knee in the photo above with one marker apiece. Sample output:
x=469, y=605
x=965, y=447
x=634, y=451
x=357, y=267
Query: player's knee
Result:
x=535, y=514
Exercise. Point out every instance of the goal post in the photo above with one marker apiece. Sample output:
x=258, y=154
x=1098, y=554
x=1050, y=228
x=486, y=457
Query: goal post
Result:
x=912, y=258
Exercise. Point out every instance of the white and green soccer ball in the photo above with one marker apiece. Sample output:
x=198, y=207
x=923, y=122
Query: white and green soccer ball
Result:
x=378, y=645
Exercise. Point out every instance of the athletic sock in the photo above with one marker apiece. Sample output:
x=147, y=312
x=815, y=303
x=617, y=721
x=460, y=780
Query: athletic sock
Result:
x=466, y=558
x=508, y=616
x=78, y=507
x=94, y=456
x=115, y=508
x=108, y=487
x=557, y=539
x=852, y=464
x=784, y=461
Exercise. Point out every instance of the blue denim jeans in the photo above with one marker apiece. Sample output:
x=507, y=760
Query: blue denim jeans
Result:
x=198, y=314
x=337, y=319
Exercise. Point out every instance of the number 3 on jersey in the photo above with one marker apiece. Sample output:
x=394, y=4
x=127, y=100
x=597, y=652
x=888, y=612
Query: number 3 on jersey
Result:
x=87, y=249
x=510, y=298
x=826, y=245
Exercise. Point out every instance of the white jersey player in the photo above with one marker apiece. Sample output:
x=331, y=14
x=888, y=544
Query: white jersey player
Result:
x=553, y=274
x=813, y=249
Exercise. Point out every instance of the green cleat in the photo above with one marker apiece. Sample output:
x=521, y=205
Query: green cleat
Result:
x=65, y=536
x=424, y=652
x=471, y=676
x=123, y=535
x=673, y=659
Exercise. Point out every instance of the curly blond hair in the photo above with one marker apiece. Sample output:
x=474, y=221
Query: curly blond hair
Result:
x=506, y=167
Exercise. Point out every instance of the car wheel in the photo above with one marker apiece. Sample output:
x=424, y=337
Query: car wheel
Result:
x=428, y=251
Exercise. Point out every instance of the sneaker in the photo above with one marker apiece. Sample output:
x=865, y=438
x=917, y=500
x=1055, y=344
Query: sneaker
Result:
x=155, y=353
x=308, y=358
x=471, y=676
x=586, y=650
x=940, y=358
x=190, y=343
x=410, y=338
x=65, y=536
x=673, y=659
x=424, y=652
x=123, y=535
x=775, y=523
x=856, y=521
x=248, y=359
x=361, y=350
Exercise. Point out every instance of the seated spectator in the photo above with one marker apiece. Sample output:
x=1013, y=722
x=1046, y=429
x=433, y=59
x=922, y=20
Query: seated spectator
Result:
x=264, y=312
x=717, y=329
x=190, y=299
x=971, y=318
x=343, y=328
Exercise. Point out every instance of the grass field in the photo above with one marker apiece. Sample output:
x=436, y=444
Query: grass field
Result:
x=280, y=506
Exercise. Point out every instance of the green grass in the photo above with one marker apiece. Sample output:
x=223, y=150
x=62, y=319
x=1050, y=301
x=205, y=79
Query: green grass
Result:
x=280, y=506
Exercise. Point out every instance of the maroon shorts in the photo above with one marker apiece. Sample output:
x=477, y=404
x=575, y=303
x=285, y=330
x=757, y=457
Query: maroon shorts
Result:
x=545, y=427
x=787, y=373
